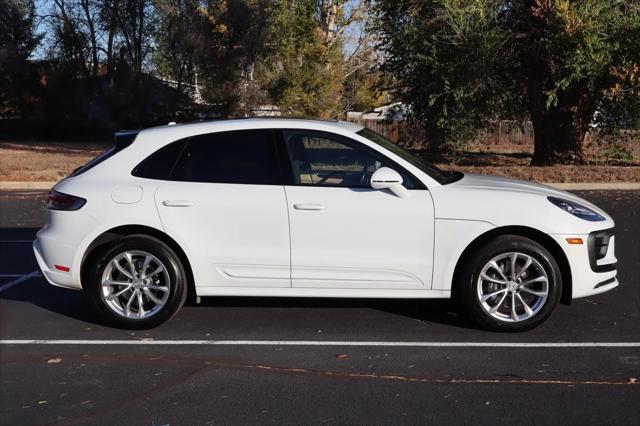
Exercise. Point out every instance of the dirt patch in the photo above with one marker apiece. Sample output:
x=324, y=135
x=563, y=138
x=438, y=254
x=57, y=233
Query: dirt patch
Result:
x=44, y=161
x=505, y=162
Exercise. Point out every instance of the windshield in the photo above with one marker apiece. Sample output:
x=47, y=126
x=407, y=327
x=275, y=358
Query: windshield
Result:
x=440, y=176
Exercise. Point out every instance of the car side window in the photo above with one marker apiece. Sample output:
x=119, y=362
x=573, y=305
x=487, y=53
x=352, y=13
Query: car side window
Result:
x=323, y=159
x=159, y=164
x=243, y=157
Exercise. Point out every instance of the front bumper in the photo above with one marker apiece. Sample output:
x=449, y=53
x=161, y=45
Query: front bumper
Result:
x=593, y=264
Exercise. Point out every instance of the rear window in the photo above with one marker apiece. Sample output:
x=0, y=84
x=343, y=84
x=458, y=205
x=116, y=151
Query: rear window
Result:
x=122, y=139
x=91, y=164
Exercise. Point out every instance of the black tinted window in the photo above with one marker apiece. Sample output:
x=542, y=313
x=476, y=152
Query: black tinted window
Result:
x=94, y=162
x=247, y=157
x=324, y=159
x=159, y=164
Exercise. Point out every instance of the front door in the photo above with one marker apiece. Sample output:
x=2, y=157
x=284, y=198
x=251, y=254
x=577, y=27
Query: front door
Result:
x=344, y=234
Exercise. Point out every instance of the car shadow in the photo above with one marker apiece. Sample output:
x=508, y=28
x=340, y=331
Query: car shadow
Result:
x=78, y=306
x=441, y=311
x=69, y=303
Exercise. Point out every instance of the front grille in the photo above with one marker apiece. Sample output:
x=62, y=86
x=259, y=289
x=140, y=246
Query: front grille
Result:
x=601, y=244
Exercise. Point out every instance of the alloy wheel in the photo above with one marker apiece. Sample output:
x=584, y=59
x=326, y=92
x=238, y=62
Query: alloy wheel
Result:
x=135, y=284
x=512, y=287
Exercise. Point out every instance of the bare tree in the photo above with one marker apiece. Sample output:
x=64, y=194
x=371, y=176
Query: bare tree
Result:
x=90, y=23
x=136, y=22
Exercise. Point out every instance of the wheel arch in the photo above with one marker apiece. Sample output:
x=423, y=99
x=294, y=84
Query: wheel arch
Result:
x=538, y=236
x=121, y=232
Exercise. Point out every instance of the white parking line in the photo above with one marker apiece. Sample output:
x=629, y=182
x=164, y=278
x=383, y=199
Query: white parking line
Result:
x=327, y=343
x=22, y=278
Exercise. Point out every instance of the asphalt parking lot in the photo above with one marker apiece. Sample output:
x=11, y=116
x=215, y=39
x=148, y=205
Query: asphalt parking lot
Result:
x=292, y=361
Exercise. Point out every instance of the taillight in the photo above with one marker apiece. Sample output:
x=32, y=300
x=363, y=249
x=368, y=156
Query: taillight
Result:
x=59, y=201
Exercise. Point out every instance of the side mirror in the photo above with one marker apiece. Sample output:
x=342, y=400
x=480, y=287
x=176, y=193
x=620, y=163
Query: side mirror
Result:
x=386, y=178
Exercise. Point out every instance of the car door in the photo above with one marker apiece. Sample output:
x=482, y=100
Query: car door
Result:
x=226, y=204
x=344, y=234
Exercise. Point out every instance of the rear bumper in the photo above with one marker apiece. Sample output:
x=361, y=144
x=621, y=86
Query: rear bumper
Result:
x=60, y=245
x=53, y=277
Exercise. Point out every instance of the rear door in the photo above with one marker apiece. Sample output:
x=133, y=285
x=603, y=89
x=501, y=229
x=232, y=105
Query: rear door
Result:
x=226, y=205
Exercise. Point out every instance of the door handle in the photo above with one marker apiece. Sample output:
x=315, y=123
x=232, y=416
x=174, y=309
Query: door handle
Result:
x=177, y=203
x=308, y=206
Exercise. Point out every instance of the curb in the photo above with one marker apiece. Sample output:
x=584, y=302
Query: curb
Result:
x=573, y=186
x=13, y=186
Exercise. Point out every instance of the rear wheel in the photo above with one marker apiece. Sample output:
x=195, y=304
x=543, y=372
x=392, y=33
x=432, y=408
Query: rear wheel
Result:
x=137, y=282
x=511, y=284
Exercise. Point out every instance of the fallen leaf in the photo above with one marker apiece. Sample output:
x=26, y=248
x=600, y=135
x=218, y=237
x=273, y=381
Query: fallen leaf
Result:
x=342, y=356
x=42, y=402
x=54, y=360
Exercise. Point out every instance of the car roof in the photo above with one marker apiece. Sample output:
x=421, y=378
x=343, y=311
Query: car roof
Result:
x=178, y=131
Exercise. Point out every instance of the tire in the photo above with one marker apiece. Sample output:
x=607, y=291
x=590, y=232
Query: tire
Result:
x=480, y=287
x=161, y=286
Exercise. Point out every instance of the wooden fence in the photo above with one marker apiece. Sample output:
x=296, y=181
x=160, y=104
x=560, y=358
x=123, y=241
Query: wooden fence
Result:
x=504, y=132
x=388, y=129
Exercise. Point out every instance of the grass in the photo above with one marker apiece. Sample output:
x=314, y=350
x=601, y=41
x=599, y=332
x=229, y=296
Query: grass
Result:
x=558, y=173
x=505, y=161
x=51, y=161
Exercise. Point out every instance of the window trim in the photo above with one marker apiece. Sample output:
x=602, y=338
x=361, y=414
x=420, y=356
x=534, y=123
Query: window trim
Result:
x=352, y=143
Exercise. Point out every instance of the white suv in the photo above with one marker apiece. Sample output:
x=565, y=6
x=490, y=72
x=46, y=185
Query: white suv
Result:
x=283, y=207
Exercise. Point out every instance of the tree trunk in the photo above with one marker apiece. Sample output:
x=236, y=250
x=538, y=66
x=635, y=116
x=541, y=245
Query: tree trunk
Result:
x=559, y=126
x=92, y=36
x=558, y=136
x=559, y=129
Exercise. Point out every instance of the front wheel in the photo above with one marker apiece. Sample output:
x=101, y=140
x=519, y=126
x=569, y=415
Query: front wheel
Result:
x=511, y=284
x=136, y=283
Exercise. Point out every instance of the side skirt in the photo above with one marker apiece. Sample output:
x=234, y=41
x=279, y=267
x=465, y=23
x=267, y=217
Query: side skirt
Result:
x=330, y=293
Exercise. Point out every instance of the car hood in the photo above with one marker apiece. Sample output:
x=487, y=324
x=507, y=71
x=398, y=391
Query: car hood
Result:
x=484, y=183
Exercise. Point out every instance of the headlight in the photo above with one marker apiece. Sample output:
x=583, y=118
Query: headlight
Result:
x=577, y=210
